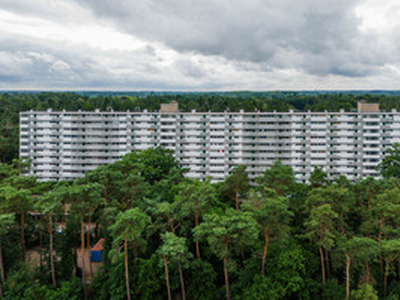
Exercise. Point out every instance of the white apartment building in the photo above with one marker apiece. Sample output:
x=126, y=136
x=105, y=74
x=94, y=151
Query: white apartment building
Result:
x=65, y=144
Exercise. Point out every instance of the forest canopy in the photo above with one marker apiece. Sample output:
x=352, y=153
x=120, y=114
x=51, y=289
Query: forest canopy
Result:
x=169, y=237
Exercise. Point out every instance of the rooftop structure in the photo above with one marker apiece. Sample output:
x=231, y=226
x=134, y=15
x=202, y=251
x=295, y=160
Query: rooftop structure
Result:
x=66, y=144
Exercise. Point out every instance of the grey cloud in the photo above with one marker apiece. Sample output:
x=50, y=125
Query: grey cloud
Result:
x=322, y=34
x=217, y=44
x=41, y=65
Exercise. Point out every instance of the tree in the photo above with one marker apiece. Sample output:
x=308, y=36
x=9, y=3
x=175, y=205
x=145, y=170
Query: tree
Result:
x=279, y=178
x=154, y=164
x=272, y=215
x=318, y=178
x=134, y=187
x=365, y=292
x=84, y=198
x=17, y=201
x=320, y=230
x=195, y=198
x=6, y=220
x=174, y=249
x=237, y=184
x=50, y=205
x=357, y=249
x=384, y=209
x=129, y=228
x=391, y=250
x=225, y=233
x=366, y=191
x=108, y=176
x=390, y=165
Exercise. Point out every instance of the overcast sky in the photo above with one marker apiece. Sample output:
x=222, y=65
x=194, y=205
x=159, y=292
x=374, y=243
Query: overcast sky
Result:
x=199, y=44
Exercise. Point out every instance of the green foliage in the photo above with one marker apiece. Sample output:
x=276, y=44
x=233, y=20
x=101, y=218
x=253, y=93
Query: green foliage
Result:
x=201, y=283
x=334, y=290
x=228, y=232
x=130, y=225
x=318, y=178
x=270, y=211
x=390, y=165
x=279, y=178
x=365, y=292
x=236, y=184
x=21, y=285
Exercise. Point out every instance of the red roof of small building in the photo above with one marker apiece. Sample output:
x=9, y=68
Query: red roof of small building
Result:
x=99, y=245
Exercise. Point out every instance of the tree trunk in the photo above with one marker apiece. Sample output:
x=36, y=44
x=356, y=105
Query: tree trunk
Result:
x=264, y=258
x=196, y=222
x=53, y=273
x=128, y=289
x=23, y=235
x=167, y=276
x=367, y=272
x=41, y=243
x=327, y=264
x=347, y=277
x=237, y=199
x=228, y=296
x=182, y=281
x=379, y=242
x=75, y=248
x=88, y=241
x=322, y=266
x=83, y=255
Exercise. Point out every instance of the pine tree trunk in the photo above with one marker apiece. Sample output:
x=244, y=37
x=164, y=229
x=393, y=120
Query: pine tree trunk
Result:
x=128, y=289
x=75, y=248
x=327, y=264
x=83, y=255
x=196, y=221
x=53, y=272
x=347, y=277
x=322, y=266
x=41, y=243
x=237, y=199
x=379, y=242
x=264, y=258
x=182, y=281
x=23, y=235
x=167, y=276
x=228, y=296
x=88, y=241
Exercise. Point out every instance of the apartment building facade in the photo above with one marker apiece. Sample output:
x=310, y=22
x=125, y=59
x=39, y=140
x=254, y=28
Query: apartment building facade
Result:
x=65, y=144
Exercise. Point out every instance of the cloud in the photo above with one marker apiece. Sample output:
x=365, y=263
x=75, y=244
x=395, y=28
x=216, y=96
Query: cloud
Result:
x=323, y=35
x=199, y=45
